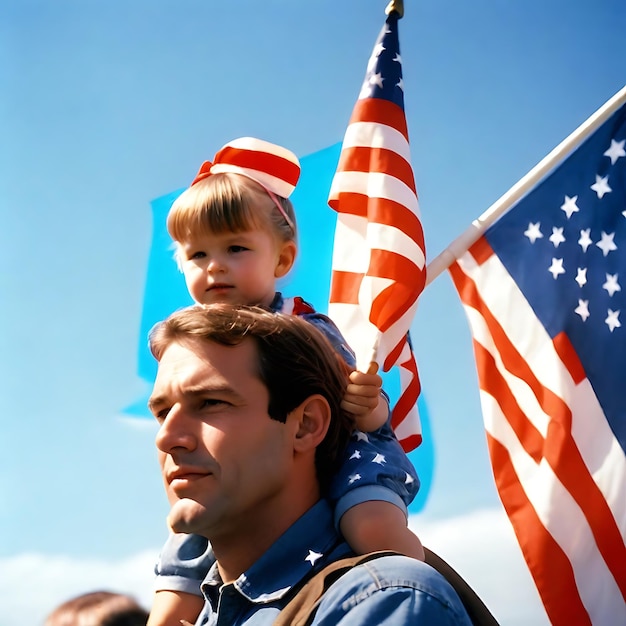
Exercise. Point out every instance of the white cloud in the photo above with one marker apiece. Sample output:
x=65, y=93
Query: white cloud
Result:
x=32, y=585
x=481, y=546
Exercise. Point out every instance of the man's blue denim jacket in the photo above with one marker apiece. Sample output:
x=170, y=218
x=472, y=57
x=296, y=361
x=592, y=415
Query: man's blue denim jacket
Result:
x=388, y=591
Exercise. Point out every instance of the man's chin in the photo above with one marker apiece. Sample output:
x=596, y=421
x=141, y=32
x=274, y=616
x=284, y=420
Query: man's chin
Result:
x=186, y=516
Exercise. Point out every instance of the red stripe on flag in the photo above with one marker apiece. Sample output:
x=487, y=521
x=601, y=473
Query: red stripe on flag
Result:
x=481, y=251
x=492, y=381
x=380, y=111
x=394, y=301
x=564, y=457
x=567, y=354
x=381, y=211
x=558, y=447
x=548, y=564
x=345, y=287
x=407, y=401
x=394, y=355
x=368, y=160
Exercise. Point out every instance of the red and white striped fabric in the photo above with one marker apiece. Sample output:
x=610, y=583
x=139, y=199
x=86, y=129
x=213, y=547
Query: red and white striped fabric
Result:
x=559, y=468
x=273, y=167
x=378, y=257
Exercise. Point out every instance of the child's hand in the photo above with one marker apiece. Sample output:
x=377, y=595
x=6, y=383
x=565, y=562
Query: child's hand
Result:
x=364, y=401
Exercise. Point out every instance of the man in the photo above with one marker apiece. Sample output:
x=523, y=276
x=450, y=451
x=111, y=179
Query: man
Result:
x=251, y=429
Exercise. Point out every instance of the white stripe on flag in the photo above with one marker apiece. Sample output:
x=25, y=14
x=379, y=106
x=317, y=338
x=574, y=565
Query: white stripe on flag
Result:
x=558, y=511
x=375, y=185
x=375, y=135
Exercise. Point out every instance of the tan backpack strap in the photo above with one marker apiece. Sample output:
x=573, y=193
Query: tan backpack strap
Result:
x=300, y=609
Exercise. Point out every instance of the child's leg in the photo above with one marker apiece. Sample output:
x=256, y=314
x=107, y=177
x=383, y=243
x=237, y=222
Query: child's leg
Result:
x=378, y=525
x=170, y=607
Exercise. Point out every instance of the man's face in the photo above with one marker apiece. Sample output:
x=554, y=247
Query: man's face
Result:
x=224, y=460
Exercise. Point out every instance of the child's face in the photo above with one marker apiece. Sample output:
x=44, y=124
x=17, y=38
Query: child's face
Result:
x=239, y=268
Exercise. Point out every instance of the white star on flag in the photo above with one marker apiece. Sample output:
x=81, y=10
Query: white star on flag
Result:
x=616, y=150
x=611, y=320
x=569, y=206
x=557, y=236
x=583, y=309
x=606, y=244
x=601, y=186
x=380, y=459
x=556, y=268
x=581, y=276
x=611, y=284
x=585, y=239
x=533, y=233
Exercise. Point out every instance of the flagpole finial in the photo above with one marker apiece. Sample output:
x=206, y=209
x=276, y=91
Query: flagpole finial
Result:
x=397, y=6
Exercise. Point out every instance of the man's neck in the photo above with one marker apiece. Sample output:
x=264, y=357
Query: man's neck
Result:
x=237, y=551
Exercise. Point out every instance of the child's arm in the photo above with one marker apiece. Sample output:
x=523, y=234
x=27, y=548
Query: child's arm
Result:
x=378, y=525
x=364, y=400
x=170, y=607
x=183, y=563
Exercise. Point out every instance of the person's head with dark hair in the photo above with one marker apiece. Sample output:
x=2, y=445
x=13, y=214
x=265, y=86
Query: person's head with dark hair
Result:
x=295, y=361
x=99, y=608
x=251, y=426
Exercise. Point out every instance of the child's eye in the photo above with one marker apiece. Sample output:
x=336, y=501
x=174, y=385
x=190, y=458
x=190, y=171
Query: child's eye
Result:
x=236, y=249
x=197, y=255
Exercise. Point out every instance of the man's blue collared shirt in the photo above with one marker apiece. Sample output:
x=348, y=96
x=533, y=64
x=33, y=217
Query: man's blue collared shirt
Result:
x=388, y=591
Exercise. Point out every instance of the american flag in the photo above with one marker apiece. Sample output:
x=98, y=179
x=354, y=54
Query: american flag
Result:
x=544, y=289
x=378, y=258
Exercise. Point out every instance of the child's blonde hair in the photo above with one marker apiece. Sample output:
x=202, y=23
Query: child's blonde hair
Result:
x=228, y=203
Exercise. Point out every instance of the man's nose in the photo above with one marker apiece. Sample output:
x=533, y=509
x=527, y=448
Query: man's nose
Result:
x=176, y=431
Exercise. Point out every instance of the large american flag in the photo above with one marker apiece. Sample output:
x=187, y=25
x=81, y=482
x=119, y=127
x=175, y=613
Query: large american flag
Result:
x=378, y=257
x=544, y=289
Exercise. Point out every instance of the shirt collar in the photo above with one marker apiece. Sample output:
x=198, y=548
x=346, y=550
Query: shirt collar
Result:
x=305, y=547
x=277, y=302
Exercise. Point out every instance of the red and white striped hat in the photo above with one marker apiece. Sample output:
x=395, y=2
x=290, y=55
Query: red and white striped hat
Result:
x=275, y=168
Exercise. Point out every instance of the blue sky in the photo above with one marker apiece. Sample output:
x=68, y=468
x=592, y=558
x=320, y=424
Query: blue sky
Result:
x=107, y=106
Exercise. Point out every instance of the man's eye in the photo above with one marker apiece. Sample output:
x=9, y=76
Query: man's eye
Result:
x=209, y=403
x=161, y=415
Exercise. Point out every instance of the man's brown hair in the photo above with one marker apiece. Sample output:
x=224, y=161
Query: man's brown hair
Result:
x=295, y=361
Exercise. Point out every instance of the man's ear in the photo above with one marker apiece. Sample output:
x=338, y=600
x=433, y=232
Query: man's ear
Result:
x=314, y=419
x=286, y=258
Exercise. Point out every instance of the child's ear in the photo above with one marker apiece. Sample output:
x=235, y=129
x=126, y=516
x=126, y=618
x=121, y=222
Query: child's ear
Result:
x=286, y=258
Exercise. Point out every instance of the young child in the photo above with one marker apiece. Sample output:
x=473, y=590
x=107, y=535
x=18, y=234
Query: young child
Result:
x=235, y=236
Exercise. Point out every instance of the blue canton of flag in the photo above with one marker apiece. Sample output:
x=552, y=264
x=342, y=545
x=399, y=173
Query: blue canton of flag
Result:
x=574, y=225
x=383, y=77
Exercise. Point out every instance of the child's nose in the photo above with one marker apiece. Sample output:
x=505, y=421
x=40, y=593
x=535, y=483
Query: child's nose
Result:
x=215, y=265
